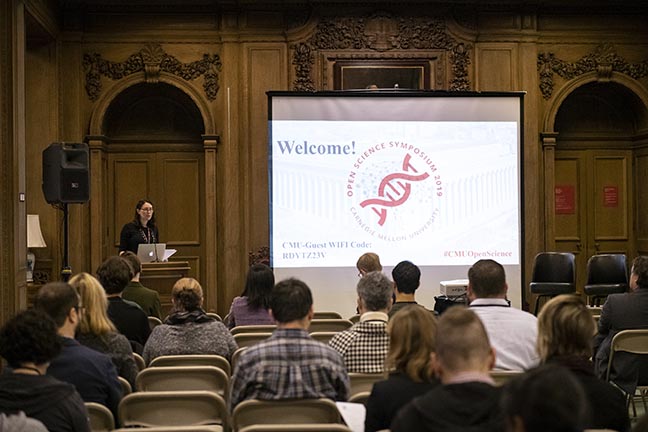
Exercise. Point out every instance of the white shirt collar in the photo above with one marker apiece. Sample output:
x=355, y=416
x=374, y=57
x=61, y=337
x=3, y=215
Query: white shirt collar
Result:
x=374, y=316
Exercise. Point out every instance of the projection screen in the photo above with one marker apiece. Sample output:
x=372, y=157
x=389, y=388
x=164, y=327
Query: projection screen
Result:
x=430, y=177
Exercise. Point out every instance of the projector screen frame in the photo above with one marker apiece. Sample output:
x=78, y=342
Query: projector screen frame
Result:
x=400, y=93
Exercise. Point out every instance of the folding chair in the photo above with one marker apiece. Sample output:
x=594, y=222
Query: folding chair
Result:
x=154, y=322
x=361, y=397
x=101, y=419
x=193, y=360
x=139, y=361
x=633, y=342
x=266, y=328
x=175, y=378
x=282, y=412
x=501, y=377
x=125, y=386
x=363, y=382
x=249, y=339
x=327, y=315
x=329, y=325
x=314, y=427
x=323, y=337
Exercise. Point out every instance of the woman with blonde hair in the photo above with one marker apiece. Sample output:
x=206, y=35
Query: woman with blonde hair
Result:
x=188, y=329
x=95, y=329
x=412, y=340
x=565, y=336
x=367, y=263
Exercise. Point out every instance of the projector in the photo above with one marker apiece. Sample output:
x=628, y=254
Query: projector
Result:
x=454, y=288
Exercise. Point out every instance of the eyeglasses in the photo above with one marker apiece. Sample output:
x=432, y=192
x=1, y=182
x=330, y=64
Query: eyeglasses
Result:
x=147, y=209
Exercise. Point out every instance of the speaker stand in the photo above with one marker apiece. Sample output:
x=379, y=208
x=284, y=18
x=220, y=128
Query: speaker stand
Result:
x=66, y=270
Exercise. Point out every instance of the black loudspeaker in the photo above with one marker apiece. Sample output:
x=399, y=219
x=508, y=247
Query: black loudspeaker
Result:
x=66, y=178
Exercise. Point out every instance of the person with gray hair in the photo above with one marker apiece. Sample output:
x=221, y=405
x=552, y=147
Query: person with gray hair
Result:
x=365, y=345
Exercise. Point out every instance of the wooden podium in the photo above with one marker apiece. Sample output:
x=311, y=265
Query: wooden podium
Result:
x=161, y=276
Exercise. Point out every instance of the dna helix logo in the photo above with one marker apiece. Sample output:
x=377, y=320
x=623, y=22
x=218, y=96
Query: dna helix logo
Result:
x=394, y=190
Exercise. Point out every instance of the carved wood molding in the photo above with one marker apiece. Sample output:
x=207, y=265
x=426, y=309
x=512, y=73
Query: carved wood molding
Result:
x=380, y=33
x=603, y=60
x=151, y=60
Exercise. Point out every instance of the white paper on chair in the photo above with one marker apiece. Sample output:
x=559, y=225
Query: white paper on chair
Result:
x=353, y=415
x=168, y=253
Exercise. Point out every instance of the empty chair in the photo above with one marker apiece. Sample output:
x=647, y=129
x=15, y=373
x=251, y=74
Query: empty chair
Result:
x=329, y=325
x=606, y=274
x=327, y=315
x=174, y=378
x=304, y=427
x=193, y=360
x=363, y=382
x=154, y=322
x=289, y=411
x=173, y=408
x=265, y=328
x=324, y=337
x=248, y=339
x=501, y=377
x=101, y=419
x=139, y=361
x=553, y=274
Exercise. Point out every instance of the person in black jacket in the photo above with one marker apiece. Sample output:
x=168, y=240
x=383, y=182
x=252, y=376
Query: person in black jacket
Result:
x=28, y=342
x=142, y=229
x=467, y=400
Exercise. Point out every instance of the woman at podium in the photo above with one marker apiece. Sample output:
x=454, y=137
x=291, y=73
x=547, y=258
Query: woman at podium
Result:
x=142, y=229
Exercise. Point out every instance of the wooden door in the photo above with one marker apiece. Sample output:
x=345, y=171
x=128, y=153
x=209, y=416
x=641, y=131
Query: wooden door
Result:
x=593, y=204
x=173, y=181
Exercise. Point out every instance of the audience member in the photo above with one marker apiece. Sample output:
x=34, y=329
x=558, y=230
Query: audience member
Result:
x=95, y=329
x=20, y=423
x=622, y=312
x=364, y=346
x=290, y=364
x=251, y=308
x=512, y=332
x=188, y=329
x=91, y=372
x=367, y=263
x=131, y=321
x=412, y=334
x=407, y=278
x=545, y=399
x=565, y=330
x=147, y=299
x=28, y=342
x=468, y=399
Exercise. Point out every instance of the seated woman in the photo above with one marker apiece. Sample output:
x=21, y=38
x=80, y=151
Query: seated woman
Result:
x=412, y=334
x=251, y=308
x=96, y=331
x=29, y=342
x=188, y=329
x=565, y=331
x=367, y=263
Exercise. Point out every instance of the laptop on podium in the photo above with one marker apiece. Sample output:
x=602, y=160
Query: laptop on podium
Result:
x=151, y=252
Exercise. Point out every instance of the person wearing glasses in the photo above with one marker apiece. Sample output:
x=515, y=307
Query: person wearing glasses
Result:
x=142, y=229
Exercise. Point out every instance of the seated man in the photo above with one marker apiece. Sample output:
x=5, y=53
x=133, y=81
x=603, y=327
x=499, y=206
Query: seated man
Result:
x=365, y=345
x=512, y=333
x=622, y=312
x=407, y=278
x=28, y=342
x=467, y=400
x=147, y=299
x=290, y=364
x=131, y=321
x=91, y=372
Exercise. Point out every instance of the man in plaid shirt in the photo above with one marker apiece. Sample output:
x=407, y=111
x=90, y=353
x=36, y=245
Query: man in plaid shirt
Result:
x=290, y=364
x=365, y=345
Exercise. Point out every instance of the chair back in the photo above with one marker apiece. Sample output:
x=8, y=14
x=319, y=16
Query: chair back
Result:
x=323, y=337
x=329, y=325
x=360, y=398
x=289, y=411
x=125, y=386
x=630, y=341
x=101, y=419
x=501, y=377
x=236, y=356
x=193, y=360
x=267, y=328
x=182, y=378
x=363, y=382
x=172, y=408
x=607, y=269
x=554, y=267
x=176, y=429
x=355, y=318
x=249, y=339
x=139, y=361
x=304, y=427
x=154, y=322
x=214, y=315
x=326, y=315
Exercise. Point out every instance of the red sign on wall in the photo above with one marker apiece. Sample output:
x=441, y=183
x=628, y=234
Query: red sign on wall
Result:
x=610, y=196
x=565, y=199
